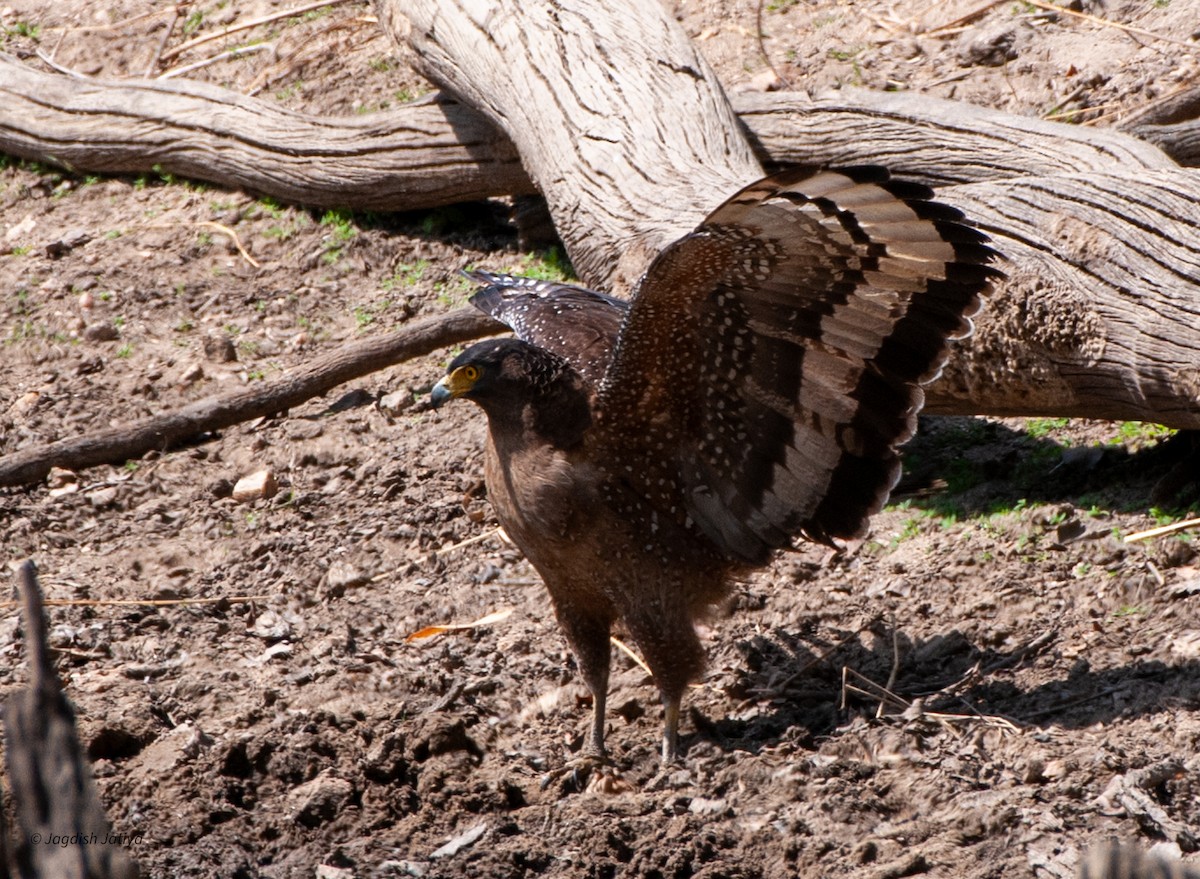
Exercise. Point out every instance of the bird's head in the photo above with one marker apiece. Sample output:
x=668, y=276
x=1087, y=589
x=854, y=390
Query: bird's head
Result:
x=497, y=370
x=517, y=383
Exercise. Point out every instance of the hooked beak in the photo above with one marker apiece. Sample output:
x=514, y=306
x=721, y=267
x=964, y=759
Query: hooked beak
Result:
x=453, y=385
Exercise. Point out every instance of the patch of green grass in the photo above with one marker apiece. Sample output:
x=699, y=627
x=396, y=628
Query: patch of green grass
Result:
x=848, y=54
x=551, y=264
x=125, y=351
x=21, y=249
x=1140, y=433
x=289, y=92
x=1129, y=610
x=192, y=23
x=286, y=230
x=910, y=529
x=340, y=222
x=1040, y=427
x=25, y=29
x=364, y=316
x=405, y=275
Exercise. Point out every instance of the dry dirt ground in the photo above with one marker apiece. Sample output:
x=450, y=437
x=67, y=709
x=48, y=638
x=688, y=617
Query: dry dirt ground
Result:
x=1049, y=672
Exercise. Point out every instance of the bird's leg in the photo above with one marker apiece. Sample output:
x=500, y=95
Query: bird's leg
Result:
x=594, y=744
x=588, y=637
x=670, y=743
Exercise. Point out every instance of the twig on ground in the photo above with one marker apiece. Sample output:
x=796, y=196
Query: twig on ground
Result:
x=141, y=602
x=162, y=44
x=158, y=432
x=224, y=56
x=237, y=242
x=246, y=25
x=1162, y=530
x=959, y=24
x=1095, y=19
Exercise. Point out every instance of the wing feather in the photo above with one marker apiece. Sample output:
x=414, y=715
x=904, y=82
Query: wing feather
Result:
x=777, y=353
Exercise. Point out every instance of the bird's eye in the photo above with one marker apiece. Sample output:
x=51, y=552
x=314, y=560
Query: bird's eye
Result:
x=470, y=373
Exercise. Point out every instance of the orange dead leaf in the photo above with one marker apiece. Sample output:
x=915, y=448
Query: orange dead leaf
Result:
x=430, y=631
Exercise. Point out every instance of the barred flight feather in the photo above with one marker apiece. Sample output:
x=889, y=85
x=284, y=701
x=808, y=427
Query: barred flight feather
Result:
x=817, y=303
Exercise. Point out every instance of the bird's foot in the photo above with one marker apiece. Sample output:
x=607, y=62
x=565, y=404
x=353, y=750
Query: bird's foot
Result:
x=587, y=772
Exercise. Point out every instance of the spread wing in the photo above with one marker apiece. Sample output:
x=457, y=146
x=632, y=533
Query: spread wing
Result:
x=577, y=324
x=772, y=360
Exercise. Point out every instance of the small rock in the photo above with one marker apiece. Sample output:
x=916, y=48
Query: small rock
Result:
x=24, y=404
x=19, y=229
x=342, y=575
x=1035, y=772
x=87, y=300
x=320, y=800
x=100, y=332
x=328, y=871
x=988, y=46
x=219, y=348
x=74, y=238
x=766, y=81
x=463, y=840
x=260, y=484
x=705, y=806
x=102, y=497
x=271, y=626
x=282, y=650
x=62, y=481
x=396, y=401
x=191, y=373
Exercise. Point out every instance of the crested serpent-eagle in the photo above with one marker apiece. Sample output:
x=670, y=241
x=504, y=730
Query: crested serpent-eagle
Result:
x=645, y=454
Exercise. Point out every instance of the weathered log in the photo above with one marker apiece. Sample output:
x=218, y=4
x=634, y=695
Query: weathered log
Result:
x=64, y=831
x=1172, y=123
x=618, y=81
x=425, y=155
x=1098, y=317
x=437, y=151
x=117, y=444
x=928, y=139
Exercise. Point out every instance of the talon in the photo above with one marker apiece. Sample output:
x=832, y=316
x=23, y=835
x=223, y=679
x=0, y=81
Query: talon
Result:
x=575, y=776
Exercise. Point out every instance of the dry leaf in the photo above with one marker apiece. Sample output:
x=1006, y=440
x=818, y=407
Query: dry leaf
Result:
x=430, y=631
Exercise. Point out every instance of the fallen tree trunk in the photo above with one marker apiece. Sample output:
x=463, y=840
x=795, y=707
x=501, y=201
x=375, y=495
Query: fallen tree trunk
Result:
x=438, y=151
x=1172, y=123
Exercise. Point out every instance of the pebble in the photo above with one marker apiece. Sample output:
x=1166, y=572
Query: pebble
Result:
x=259, y=484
